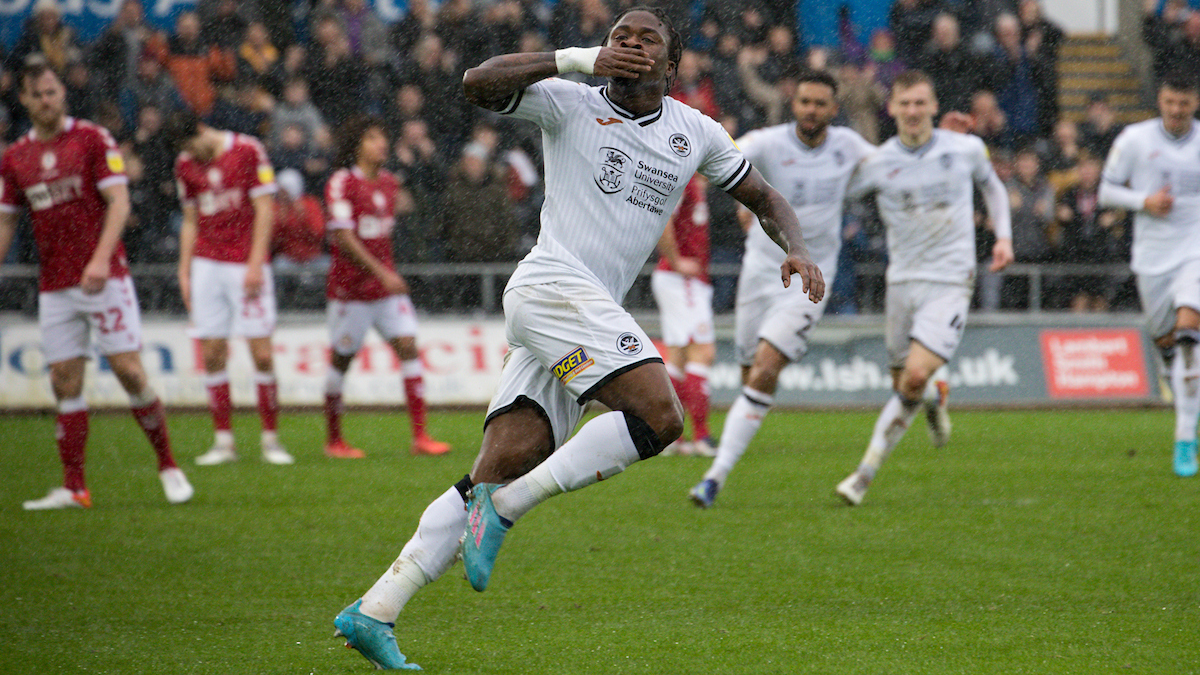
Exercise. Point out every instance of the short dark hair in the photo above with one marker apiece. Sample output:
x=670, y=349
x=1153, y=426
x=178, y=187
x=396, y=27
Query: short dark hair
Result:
x=675, y=43
x=34, y=69
x=350, y=135
x=1180, y=81
x=818, y=77
x=181, y=126
x=911, y=78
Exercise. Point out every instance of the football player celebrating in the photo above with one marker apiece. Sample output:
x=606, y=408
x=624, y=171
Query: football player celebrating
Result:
x=1153, y=170
x=813, y=161
x=924, y=181
x=363, y=289
x=617, y=159
x=225, y=186
x=70, y=175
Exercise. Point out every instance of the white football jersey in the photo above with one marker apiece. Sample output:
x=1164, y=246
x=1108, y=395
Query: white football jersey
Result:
x=613, y=179
x=1146, y=157
x=814, y=182
x=926, y=201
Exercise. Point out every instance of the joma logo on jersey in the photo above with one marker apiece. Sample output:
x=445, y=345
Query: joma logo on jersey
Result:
x=611, y=120
x=572, y=364
x=610, y=175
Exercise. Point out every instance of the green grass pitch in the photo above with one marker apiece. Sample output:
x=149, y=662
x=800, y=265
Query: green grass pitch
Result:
x=1036, y=542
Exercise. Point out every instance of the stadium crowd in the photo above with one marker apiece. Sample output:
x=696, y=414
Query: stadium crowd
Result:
x=472, y=178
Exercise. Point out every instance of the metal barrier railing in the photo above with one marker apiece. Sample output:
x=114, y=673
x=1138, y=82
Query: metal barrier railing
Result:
x=459, y=288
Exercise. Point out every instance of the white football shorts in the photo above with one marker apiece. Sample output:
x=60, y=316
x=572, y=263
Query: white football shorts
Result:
x=68, y=316
x=524, y=377
x=765, y=310
x=685, y=308
x=1162, y=294
x=220, y=308
x=582, y=338
x=929, y=312
x=349, y=320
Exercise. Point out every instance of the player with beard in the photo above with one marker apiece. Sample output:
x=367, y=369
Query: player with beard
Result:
x=617, y=159
x=70, y=174
x=811, y=162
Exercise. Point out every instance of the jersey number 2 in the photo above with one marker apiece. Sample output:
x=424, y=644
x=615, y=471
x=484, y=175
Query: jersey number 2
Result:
x=102, y=324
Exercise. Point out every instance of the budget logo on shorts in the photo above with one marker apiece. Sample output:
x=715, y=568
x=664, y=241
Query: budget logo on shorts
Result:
x=572, y=364
x=629, y=344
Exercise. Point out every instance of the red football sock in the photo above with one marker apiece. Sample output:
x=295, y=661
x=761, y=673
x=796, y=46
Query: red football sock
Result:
x=697, y=407
x=414, y=393
x=219, y=402
x=333, y=417
x=268, y=401
x=72, y=433
x=682, y=389
x=153, y=421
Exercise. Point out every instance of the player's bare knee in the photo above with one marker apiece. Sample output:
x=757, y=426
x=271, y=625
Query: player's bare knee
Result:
x=131, y=376
x=912, y=382
x=664, y=418
x=66, y=380
x=261, y=354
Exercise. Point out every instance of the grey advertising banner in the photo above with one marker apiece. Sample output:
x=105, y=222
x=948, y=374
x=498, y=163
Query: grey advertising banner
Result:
x=1015, y=364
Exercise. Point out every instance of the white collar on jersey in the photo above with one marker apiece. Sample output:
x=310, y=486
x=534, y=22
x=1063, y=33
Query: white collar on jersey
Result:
x=919, y=150
x=805, y=147
x=642, y=120
x=229, y=136
x=1173, y=138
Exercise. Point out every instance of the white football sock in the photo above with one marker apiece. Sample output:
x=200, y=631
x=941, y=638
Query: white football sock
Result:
x=431, y=551
x=602, y=448
x=893, y=421
x=741, y=424
x=1185, y=381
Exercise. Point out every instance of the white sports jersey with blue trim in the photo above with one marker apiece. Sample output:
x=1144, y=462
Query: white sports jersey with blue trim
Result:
x=1146, y=157
x=926, y=200
x=814, y=182
x=613, y=179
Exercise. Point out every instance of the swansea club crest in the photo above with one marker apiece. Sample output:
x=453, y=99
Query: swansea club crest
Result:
x=610, y=175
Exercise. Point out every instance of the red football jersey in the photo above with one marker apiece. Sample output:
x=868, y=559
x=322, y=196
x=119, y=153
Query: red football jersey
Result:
x=368, y=207
x=222, y=192
x=300, y=232
x=60, y=181
x=691, y=227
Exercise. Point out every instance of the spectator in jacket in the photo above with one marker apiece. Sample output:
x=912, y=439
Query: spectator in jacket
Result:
x=150, y=86
x=956, y=71
x=477, y=218
x=195, y=67
x=47, y=35
x=115, y=54
x=1020, y=74
x=1091, y=235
